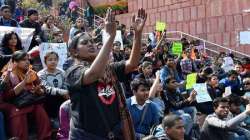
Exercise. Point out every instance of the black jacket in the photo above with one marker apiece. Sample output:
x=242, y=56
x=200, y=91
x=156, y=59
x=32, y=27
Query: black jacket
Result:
x=38, y=31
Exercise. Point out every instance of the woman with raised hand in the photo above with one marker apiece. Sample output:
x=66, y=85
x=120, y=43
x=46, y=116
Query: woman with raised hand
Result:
x=94, y=88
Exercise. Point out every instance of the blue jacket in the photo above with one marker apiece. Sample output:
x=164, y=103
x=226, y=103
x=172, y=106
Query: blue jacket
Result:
x=11, y=22
x=235, y=85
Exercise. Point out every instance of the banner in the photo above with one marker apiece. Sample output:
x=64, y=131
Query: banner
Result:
x=202, y=93
x=191, y=80
x=177, y=48
x=160, y=26
x=118, y=37
x=59, y=48
x=25, y=34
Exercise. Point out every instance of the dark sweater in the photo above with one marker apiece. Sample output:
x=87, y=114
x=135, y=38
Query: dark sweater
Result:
x=151, y=117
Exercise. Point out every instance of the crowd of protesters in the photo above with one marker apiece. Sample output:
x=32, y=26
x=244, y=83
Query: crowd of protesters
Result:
x=130, y=90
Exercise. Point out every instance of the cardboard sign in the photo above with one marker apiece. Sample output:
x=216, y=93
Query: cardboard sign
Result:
x=160, y=26
x=228, y=64
x=202, y=93
x=59, y=48
x=25, y=34
x=177, y=48
x=228, y=92
x=191, y=80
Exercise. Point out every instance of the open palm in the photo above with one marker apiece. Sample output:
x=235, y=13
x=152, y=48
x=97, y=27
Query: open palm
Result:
x=109, y=24
x=138, y=21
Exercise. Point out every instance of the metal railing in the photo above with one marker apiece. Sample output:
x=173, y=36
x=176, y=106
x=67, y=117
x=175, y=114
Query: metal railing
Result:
x=97, y=19
x=210, y=47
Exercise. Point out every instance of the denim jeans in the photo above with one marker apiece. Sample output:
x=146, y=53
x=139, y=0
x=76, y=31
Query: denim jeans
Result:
x=240, y=133
x=192, y=111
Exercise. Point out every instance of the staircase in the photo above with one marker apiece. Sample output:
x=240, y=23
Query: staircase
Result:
x=211, y=48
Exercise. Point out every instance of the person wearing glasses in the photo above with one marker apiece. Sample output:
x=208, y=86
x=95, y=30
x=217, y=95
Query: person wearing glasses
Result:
x=6, y=19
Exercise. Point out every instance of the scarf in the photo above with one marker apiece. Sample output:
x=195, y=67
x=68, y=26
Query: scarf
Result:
x=17, y=75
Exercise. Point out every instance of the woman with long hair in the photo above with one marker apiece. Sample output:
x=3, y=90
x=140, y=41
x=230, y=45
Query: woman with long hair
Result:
x=10, y=43
x=23, y=81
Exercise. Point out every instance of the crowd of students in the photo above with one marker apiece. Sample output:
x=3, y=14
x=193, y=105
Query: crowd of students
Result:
x=109, y=91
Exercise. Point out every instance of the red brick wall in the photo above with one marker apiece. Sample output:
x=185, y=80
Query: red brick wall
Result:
x=218, y=21
x=100, y=2
x=95, y=2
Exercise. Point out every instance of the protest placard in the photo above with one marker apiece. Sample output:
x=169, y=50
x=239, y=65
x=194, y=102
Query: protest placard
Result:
x=228, y=64
x=177, y=48
x=118, y=37
x=160, y=26
x=59, y=48
x=200, y=48
x=202, y=93
x=228, y=91
x=191, y=80
x=25, y=34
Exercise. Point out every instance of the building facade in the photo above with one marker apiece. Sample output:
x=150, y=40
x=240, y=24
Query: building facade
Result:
x=218, y=21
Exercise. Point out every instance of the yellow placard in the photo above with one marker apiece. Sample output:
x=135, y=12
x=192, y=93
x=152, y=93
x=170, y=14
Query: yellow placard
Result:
x=191, y=80
x=160, y=26
x=177, y=48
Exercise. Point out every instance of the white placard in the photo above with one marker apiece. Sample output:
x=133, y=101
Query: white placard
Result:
x=118, y=37
x=245, y=37
x=202, y=93
x=228, y=91
x=59, y=48
x=25, y=34
x=200, y=48
x=228, y=64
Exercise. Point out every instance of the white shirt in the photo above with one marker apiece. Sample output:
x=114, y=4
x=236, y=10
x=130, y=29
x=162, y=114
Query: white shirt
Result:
x=134, y=102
